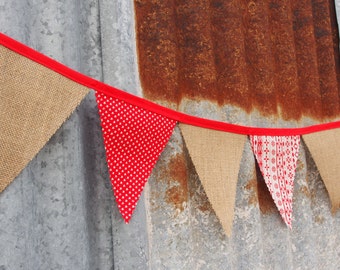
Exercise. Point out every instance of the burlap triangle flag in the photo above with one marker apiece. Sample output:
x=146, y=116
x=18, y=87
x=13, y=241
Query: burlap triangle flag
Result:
x=134, y=138
x=324, y=147
x=277, y=158
x=216, y=156
x=34, y=102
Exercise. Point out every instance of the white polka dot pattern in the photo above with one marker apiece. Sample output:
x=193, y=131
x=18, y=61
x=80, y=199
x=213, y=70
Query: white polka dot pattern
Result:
x=277, y=158
x=134, y=138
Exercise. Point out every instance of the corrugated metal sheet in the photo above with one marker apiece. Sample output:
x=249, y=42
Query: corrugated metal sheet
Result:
x=277, y=57
x=59, y=213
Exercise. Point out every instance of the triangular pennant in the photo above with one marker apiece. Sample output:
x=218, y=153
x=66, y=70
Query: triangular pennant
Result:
x=277, y=158
x=325, y=149
x=134, y=138
x=216, y=156
x=34, y=102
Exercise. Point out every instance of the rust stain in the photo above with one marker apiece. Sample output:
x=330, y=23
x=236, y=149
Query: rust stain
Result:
x=179, y=188
x=176, y=196
x=252, y=187
x=286, y=81
x=229, y=55
x=304, y=190
x=310, y=193
x=258, y=56
x=197, y=193
x=156, y=29
x=260, y=194
x=299, y=165
x=306, y=58
x=279, y=57
x=319, y=219
x=177, y=174
x=266, y=202
x=326, y=57
x=205, y=205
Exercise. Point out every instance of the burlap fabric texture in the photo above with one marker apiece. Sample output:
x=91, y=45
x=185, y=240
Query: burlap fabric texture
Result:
x=216, y=156
x=324, y=147
x=34, y=102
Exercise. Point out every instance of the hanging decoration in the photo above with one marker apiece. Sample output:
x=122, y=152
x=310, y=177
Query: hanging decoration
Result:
x=277, y=157
x=216, y=167
x=134, y=138
x=37, y=94
x=34, y=102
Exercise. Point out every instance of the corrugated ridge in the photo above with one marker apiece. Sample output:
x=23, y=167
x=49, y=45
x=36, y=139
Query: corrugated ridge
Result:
x=197, y=74
x=285, y=67
x=229, y=55
x=325, y=51
x=306, y=57
x=158, y=49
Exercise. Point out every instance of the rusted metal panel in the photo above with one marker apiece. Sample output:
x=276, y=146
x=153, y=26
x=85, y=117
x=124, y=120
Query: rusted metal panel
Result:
x=278, y=57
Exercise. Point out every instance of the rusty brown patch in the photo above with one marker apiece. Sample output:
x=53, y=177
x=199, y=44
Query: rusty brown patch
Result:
x=310, y=193
x=304, y=190
x=319, y=219
x=299, y=165
x=176, y=196
x=322, y=14
x=177, y=175
x=277, y=56
x=284, y=59
x=266, y=202
x=260, y=194
x=196, y=191
x=252, y=187
x=205, y=205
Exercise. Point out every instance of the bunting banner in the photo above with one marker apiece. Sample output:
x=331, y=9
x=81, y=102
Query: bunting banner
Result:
x=37, y=94
x=325, y=149
x=217, y=168
x=277, y=157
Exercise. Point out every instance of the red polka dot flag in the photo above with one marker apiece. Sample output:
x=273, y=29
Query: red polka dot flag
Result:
x=277, y=158
x=134, y=138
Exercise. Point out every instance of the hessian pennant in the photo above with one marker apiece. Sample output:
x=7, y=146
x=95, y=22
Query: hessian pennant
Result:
x=277, y=158
x=216, y=156
x=34, y=103
x=134, y=138
x=325, y=149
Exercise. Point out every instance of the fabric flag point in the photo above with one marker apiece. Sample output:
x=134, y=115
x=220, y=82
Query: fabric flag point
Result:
x=325, y=149
x=277, y=158
x=216, y=156
x=134, y=138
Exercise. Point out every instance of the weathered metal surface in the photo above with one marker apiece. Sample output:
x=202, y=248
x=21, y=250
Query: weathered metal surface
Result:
x=277, y=57
x=57, y=213
x=60, y=213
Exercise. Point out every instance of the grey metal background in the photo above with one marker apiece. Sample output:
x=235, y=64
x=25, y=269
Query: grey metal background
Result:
x=60, y=214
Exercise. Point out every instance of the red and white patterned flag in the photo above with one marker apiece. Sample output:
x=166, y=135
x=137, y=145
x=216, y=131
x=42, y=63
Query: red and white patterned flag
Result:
x=134, y=138
x=277, y=158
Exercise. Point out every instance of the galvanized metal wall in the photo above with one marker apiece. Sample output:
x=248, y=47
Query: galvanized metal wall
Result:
x=60, y=213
